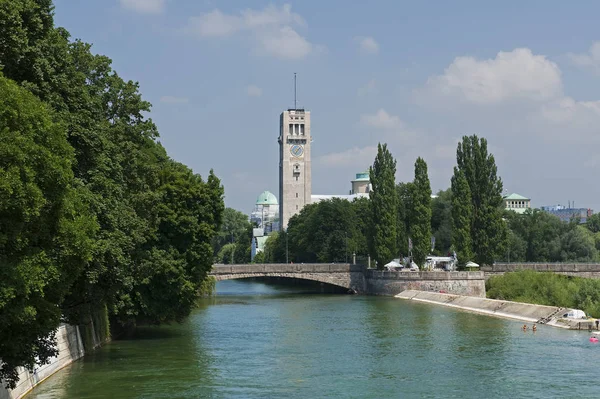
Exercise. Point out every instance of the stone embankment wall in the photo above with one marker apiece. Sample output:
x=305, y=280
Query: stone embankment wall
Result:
x=70, y=344
x=513, y=310
x=70, y=348
x=380, y=282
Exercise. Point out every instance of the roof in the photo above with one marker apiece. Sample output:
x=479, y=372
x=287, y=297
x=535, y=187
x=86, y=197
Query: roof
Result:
x=515, y=196
x=266, y=198
x=364, y=176
x=350, y=197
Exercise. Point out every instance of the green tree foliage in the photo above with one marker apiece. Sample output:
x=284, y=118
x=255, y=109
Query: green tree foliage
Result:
x=420, y=229
x=45, y=228
x=235, y=229
x=404, y=192
x=384, y=206
x=488, y=230
x=441, y=221
x=547, y=289
x=593, y=223
x=362, y=219
x=323, y=232
x=152, y=220
x=537, y=236
x=462, y=217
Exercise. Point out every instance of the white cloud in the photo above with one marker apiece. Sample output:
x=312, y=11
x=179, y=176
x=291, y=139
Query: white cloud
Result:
x=253, y=91
x=287, y=43
x=381, y=120
x=272, y=29
x=367, y=45
x=144, y=6
x=517, y=74
x=174, y=100
x=354, y=157
x=591, y=59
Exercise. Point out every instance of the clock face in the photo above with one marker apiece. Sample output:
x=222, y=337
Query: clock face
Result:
x=297, y=150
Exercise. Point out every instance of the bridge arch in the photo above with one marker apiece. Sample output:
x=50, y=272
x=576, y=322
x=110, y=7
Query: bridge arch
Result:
x=295, y=276
x=341, y=275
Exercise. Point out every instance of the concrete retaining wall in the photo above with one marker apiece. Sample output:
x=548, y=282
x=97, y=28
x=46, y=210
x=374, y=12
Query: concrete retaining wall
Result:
x=70, y=348
x=394, y=282
x=507, y=309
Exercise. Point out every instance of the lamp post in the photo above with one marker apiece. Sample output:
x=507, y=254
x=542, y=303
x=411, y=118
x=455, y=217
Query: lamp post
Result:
x=287, y=261
x=232, y=248
x=346, y=247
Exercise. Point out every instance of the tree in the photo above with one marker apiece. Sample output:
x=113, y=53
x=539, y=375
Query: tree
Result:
x=323, y=232
x=441, y=221
x=488, y=230
x=404, y=192
x=384, y=206
x=420, y=229
x=45, y=229
x=362, y=212
x=152, y=220
x=593, y=223
x=236, y=228
x=462, y=217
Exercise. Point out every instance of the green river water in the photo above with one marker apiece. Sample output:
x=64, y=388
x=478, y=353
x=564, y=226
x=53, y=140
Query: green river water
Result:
x=266, y=341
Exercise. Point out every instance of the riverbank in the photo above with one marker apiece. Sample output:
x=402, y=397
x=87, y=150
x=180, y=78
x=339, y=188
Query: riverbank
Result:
x=72, y=343
x=527, y=312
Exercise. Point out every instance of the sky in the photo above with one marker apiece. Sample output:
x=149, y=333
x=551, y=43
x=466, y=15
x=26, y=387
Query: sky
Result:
x=416, y=75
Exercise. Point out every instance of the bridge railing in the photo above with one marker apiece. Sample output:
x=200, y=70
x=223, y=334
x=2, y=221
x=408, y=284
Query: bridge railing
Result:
x=542, y=267
x=287, y=268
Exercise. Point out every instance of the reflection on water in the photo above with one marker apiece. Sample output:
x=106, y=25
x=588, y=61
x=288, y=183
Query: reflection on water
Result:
x=270, y=341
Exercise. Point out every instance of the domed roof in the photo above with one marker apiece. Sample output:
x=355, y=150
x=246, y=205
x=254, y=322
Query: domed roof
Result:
x=266, y=198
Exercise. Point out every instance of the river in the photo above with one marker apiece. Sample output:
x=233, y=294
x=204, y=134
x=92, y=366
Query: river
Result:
x=266, y=341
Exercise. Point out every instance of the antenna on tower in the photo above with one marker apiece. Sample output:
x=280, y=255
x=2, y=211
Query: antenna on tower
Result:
x=295, y=91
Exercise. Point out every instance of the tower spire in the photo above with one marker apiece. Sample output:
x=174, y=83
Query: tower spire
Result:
x=295, y=107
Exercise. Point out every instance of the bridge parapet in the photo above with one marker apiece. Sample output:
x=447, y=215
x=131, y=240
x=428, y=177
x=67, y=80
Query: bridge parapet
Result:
x=287, y=268
x=585, y=270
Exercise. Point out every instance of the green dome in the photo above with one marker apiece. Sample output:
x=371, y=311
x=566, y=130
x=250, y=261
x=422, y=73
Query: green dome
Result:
x=266, y=198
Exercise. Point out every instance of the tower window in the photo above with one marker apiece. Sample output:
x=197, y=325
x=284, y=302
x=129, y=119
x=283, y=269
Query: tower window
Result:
x=296, y=178
x=296, y=195
x=296, y=207
x=291, y=129
x=302, y=130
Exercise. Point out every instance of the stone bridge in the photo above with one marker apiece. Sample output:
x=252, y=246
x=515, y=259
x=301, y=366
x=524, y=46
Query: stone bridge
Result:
x=359, y=278
x=339, y=274
x=585, y=270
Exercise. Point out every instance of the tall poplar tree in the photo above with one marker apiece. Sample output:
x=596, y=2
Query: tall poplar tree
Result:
x=383, y=206
x=488, y=230
x=420, y=228
x=462, y=217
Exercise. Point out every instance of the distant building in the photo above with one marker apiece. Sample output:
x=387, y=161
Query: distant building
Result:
x=259, y=239
x=361, y=186
x=265, y=217
x=567, y=213
x=266, y=212
x=517, y=203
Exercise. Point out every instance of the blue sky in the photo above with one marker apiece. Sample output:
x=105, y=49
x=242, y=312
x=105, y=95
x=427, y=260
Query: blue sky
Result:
x=417, y=75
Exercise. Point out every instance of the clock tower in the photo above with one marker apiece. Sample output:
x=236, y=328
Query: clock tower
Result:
x=294, y=163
